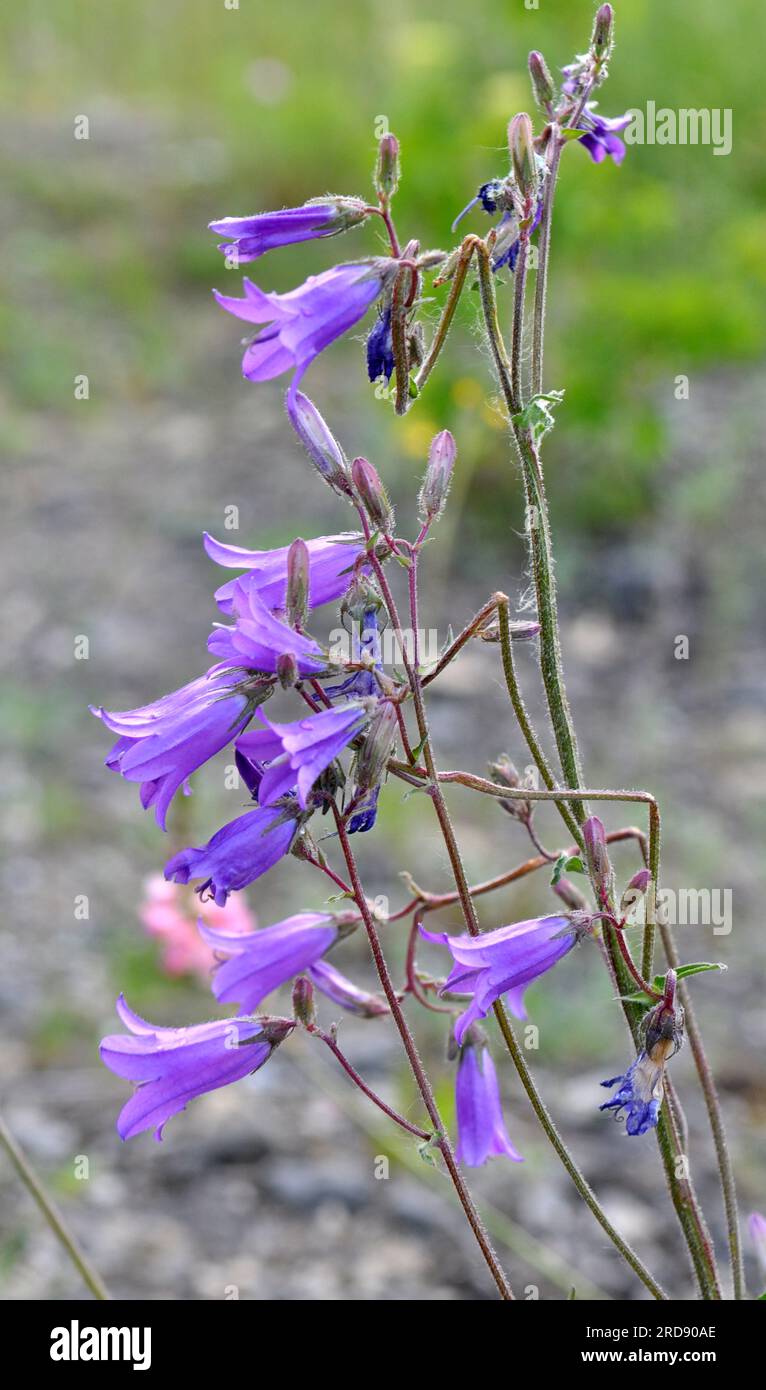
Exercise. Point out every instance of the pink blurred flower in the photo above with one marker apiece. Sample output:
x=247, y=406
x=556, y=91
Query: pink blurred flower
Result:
x=167, y=914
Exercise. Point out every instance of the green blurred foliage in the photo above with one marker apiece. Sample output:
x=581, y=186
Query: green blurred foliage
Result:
x=198, y=110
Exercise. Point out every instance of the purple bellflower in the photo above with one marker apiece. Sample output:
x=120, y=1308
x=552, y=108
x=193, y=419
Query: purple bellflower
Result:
x=238, y=853
x=331, y=559
x=503, y=962
x=247, y=238
x=161, y=744
x=344, y=992
x=299, y=752
x=259, y=639
x=301, y=323
x=756, y=1225
x=601, y=139
x=263, y=960
x=480, y=1124
x=171, y=1066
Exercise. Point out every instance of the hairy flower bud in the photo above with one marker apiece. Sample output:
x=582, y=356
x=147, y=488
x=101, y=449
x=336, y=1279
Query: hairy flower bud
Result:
x=287, y=670
x=387, y=170
x=597, y=853
x=603, y=32
x=372, y=494
x=433, y=493
x=505, y=774
x=542, y=82
x=634, y=891
x=303, y=1001
x=319, y=442
x=521, y=145
x=298, y=572
x=376, y=749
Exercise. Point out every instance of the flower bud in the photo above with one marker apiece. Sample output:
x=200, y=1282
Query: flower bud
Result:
x=372, y=494
x=634, y=891
x=298, y=573
x=303, y=1001
x=521, y=145
x=542, y=82
x=320, y=444
x=376, y=748
x=603, y=31
x=387, y=170
x=287, y=670
x=433, y=493
x=597, y=853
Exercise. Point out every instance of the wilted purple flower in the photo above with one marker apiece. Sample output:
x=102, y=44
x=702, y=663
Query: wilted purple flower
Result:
x=299, y=752
x=345, y=993
x=249, y=237
x=303, y=322
x=173, y=1065
x=380, y=348
x=503, y=962
x=494, y=196
x=258, y=639
x=601, y=138
x=480, y=1124
x=161, y=744
x=487, y=196
x=331, y=559
x=263, y=960
x=640, y=1090
x=639, y=1095
x=238, y=853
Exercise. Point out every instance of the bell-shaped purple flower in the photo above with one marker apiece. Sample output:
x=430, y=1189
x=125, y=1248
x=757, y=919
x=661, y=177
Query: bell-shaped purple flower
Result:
x=344, y=992
x=171, y=1066
x=161, y=744
x=298, y=753
x=601, y=139
x=502, y=962
x=238, y=853
x=480, y=1124
x=263, y=960
x=247, y=238
x=301, y=323
x=331, y=561
x=259, y=639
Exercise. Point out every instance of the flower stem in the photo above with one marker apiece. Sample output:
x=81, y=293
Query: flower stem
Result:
x=51, y=1213
x=418, y=1071
x=362, y=1084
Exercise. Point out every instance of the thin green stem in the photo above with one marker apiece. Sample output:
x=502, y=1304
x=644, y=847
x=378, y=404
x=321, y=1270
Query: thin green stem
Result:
x=51, y=1213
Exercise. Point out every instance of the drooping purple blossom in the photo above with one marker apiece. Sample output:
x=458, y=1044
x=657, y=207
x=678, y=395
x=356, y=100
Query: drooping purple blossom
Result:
x=756, y=1225
x=301, y=323
x=601, y=139
x=247, y=238
x=480, y=1124
x=639, y=1094
x=331, y=560
x=496, y=195
x=299, y=752
x=502, y=962
x=344, y=992
x=259, y=639
x=380, y=348
x=161, y=744
x=171, y=1066
x=238, y=853
x=262, y=960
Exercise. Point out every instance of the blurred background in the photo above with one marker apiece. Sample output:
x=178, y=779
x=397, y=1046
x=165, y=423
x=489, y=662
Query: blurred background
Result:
x=198, y=111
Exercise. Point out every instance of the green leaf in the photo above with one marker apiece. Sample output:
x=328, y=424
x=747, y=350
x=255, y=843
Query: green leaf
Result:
x=572, y=133
x=566, y=865
x=537, y=415
x=696, y=968
x=413, y=389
